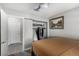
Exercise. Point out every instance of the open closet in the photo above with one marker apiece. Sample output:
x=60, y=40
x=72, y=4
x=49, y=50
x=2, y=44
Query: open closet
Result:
x=39, y=30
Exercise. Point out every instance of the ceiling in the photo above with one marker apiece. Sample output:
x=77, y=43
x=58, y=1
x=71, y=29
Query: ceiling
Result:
x=28, y=8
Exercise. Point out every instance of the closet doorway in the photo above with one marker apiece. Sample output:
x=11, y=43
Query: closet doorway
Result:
x=39, y=30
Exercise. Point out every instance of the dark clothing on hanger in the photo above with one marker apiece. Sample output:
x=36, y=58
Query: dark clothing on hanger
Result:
x=39, y=32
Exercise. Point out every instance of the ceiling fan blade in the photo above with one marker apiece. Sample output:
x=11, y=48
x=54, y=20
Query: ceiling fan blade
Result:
x=37, y=9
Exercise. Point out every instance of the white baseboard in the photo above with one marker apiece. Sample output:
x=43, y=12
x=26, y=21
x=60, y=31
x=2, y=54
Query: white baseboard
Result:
x=27, y=48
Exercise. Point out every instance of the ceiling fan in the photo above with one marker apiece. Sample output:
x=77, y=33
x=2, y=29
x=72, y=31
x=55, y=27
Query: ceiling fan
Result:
x=41, y=5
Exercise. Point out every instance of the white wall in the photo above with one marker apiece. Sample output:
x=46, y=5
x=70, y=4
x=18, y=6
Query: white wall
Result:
x=71, y=24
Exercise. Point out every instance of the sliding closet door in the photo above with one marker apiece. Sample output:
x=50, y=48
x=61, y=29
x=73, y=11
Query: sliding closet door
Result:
x=14, y=30
x=27, y=34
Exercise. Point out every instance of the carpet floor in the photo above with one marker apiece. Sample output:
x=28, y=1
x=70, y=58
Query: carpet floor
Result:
x=16, y=50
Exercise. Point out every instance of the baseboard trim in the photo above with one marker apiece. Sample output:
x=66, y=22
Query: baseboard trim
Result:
x=27, y=49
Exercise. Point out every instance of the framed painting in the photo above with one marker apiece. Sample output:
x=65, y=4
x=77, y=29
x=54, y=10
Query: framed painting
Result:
x=56, y=23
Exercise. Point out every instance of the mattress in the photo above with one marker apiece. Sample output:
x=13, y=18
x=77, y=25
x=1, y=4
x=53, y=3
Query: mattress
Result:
x=56, y=46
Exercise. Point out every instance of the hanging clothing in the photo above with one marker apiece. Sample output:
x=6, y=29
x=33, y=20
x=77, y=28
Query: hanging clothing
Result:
x=40, y=32
x=37, y=32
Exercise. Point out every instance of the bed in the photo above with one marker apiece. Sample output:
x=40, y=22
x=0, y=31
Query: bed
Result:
x=56, y=46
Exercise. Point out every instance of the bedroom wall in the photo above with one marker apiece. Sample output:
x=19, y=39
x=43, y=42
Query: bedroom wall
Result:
x=71, y=24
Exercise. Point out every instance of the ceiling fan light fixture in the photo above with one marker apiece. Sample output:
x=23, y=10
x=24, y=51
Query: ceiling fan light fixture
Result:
x=44, y=5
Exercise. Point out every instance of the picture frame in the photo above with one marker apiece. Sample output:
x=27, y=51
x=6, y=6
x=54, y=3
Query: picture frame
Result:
x=56, y=23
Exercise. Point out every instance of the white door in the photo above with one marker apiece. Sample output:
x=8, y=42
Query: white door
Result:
x=4, y=33
x=27, y=34
x=14, y=30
